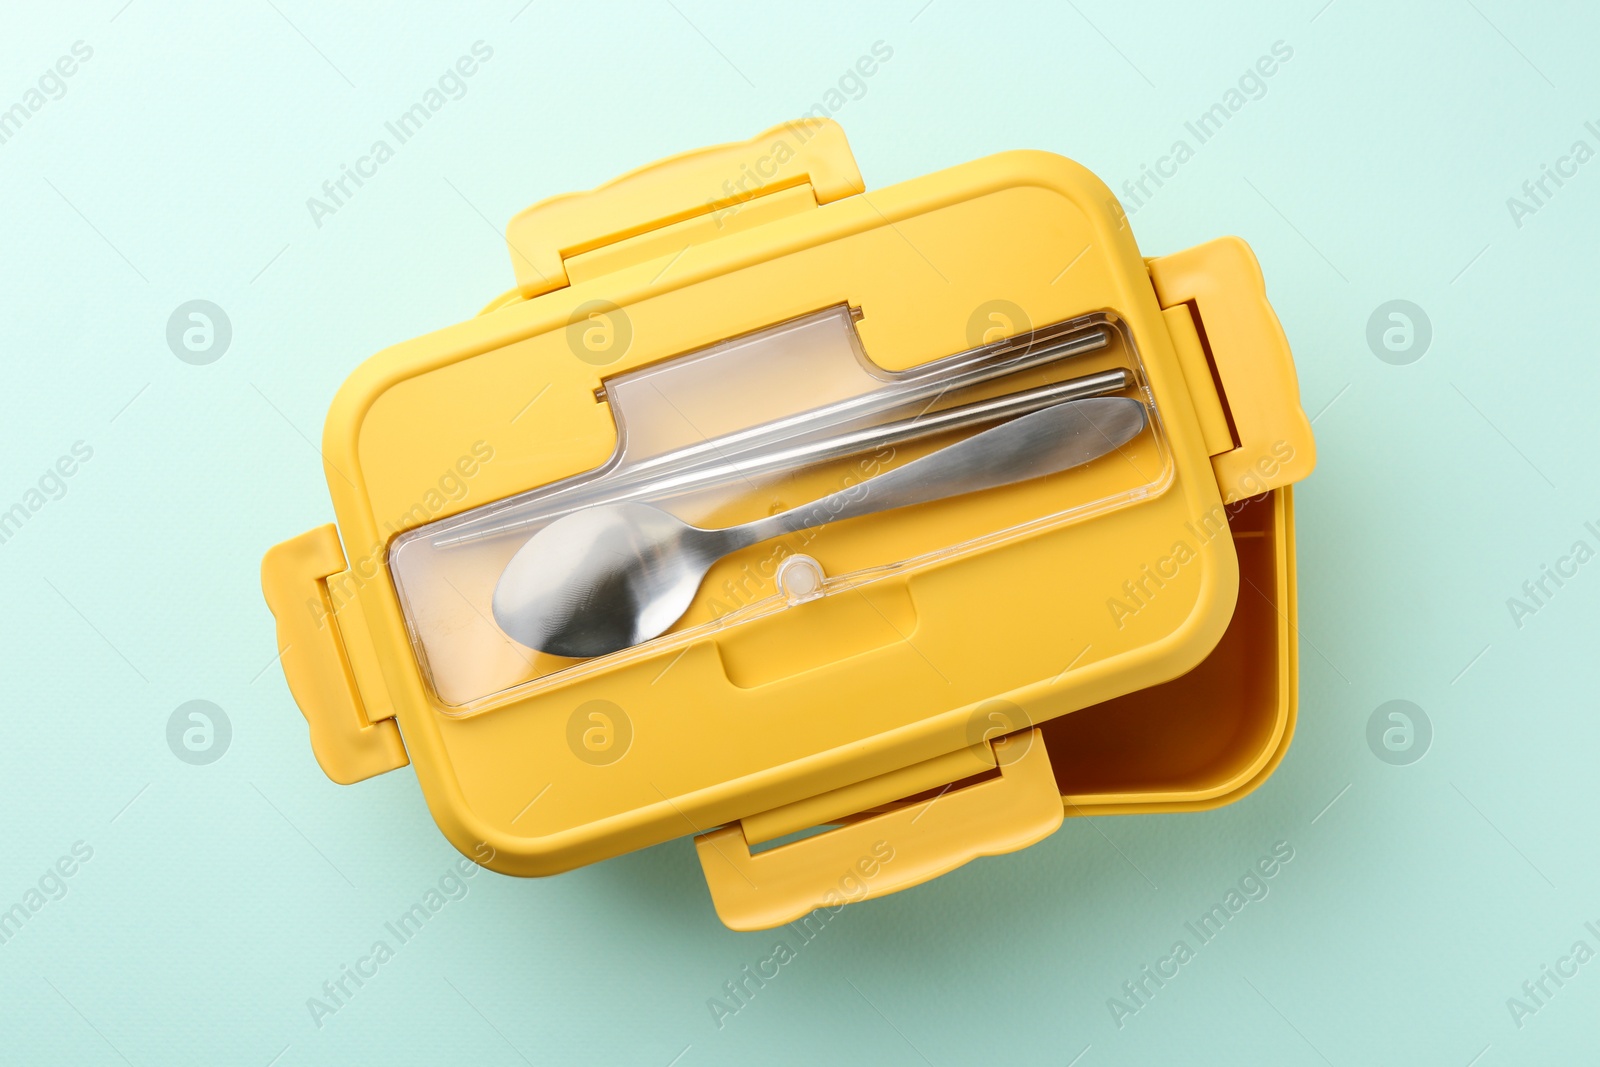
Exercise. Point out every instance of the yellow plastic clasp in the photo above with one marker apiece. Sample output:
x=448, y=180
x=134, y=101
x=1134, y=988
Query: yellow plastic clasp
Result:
x=714, y=185
x=349, y=741
x=884, y=853
x=1236, y=361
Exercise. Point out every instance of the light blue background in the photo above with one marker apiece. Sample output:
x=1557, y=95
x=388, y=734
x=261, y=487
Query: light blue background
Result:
x=220, y=897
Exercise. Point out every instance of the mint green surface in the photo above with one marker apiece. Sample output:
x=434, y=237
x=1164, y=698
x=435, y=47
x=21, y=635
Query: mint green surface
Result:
x=1375, y=164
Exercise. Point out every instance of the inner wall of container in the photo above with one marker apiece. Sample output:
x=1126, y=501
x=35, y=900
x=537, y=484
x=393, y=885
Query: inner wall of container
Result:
x=694, y=433
x=1202, y=730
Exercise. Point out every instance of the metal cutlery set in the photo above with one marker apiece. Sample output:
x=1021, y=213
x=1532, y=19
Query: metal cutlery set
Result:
x=608, y=570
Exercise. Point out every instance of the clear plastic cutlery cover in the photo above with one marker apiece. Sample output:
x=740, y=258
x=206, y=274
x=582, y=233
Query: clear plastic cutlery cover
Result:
x=761, y=423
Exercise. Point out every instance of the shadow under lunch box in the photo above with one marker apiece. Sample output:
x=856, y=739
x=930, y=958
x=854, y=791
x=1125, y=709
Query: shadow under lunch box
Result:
x=735, y=332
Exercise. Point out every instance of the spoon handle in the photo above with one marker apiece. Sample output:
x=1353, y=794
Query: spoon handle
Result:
x=1032, y=446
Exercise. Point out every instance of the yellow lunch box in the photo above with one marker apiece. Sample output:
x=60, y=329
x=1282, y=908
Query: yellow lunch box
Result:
x=854, y=708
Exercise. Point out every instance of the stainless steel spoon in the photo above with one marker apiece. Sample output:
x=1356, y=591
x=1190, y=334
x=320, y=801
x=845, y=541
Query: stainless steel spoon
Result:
x=610, y=576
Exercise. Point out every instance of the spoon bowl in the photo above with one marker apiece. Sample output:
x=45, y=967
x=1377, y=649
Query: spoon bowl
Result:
x=605, y=578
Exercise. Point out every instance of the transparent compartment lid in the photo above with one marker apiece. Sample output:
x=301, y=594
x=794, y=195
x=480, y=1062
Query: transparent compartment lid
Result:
x=715, y=437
